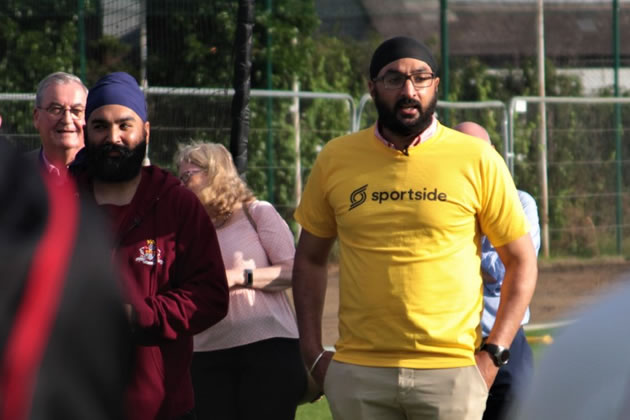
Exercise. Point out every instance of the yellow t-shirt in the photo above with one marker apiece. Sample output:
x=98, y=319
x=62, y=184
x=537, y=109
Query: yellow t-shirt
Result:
x=409, y=230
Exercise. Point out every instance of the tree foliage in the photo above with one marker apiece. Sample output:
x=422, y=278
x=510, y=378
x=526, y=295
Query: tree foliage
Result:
x=190, y=44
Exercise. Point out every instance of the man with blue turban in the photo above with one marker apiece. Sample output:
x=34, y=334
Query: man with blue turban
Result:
x=166, y=247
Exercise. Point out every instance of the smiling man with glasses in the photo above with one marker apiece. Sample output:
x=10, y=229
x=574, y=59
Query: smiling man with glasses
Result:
x=59, y=117
x=408, y=200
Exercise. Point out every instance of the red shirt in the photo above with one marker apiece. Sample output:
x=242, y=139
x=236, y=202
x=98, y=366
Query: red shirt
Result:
x=167, y=248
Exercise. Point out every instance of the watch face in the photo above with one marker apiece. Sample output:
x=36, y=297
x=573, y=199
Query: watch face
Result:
x=503, y=356
x=500, y=355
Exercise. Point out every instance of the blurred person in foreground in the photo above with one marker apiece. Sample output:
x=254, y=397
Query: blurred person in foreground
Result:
x=164, y=242
x=65, y=348
x=248, y=365
x=409, y=201
x=513, y=377
x=59, y=117
x=585, y=374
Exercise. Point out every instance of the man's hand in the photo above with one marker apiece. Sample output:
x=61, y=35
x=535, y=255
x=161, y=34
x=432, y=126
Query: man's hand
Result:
x=319, y=373
x=486, y=367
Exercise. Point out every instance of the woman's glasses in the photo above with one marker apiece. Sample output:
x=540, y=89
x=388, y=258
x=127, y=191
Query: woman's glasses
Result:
x=186, y=175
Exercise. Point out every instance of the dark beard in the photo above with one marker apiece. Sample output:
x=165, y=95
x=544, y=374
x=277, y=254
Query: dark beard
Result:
x=404, y=127
x=113, y=169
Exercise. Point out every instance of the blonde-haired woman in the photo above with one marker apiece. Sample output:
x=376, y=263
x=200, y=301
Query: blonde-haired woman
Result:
x=248, y=365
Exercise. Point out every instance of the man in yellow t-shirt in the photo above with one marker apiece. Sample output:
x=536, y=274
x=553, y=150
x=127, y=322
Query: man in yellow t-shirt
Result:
x=409, y=201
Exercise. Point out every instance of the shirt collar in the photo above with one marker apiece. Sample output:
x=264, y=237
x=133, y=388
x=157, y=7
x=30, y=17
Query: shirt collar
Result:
x=425, y=135
x=50, y=168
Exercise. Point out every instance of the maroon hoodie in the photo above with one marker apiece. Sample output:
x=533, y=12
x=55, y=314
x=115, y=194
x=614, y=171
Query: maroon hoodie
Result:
x=168, y=249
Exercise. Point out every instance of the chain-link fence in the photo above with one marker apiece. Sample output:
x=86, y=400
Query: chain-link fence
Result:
x=581, y=180
x=287, y=130
x=580, y=183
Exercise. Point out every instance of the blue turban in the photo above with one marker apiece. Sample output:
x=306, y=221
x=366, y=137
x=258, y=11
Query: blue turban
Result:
x=118, y=88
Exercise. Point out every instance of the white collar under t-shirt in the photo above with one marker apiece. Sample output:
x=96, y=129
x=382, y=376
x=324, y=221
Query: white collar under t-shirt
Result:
x=425, y=135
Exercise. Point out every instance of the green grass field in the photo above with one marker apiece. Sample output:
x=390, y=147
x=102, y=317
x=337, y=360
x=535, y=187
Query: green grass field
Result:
x=320, y=410
x=315, y=411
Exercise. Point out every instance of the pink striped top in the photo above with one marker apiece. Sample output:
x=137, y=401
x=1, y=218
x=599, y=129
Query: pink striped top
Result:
x=253, y=314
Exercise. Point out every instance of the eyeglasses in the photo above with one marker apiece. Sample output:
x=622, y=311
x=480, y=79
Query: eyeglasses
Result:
x=56, y=110
x=396, y=80
x=185, y=176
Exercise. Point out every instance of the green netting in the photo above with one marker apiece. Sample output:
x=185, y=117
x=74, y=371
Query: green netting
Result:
x=325, y=46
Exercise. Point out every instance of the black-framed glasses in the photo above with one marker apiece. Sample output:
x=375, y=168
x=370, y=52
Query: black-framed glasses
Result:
x=57, y=110
x=186, y=175
x=396, y=80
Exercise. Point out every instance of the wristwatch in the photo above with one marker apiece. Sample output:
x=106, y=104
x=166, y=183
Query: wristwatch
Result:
x=248, y=277
x=499, y=354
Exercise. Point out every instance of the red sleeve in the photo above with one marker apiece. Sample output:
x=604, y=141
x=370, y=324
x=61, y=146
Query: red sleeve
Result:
x=197, y=296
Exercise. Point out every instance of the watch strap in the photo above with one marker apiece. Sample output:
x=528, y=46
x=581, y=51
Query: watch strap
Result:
x=248, y=277
x=499, y=354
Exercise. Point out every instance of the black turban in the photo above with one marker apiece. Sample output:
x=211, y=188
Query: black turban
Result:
x=400, y=47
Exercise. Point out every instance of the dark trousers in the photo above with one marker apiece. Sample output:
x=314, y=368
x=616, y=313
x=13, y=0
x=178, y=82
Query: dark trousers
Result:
x=188, y=416
x=511, y=380
x=262, y=380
